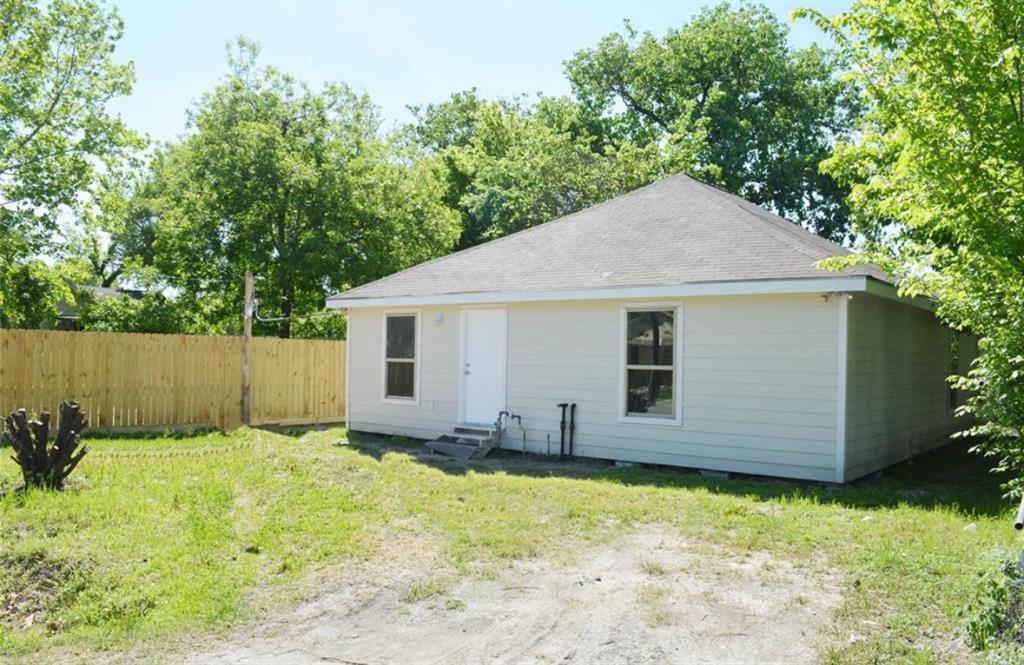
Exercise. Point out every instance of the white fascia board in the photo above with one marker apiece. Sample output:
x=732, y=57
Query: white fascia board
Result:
x=736, y=288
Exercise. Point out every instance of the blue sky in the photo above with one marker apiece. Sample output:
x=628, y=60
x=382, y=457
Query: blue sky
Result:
x=399, y=52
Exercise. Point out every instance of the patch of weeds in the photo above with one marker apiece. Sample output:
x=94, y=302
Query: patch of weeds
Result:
x=485, y=573
x=649, y=593
x=652, y=597
x=798, y=600
x=996, y=615
x=99, y=607
x=657, y=616
x=425, y=590
x=34, y=586
x=653, y=568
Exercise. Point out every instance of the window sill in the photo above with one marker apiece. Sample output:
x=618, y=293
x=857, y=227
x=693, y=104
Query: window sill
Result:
x=651, y=421
x=405, y=401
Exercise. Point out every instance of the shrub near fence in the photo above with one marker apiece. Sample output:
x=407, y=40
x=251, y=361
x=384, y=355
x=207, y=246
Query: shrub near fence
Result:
x=128, y=381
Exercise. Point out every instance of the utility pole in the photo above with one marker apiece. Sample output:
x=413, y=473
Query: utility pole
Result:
x=246, y=343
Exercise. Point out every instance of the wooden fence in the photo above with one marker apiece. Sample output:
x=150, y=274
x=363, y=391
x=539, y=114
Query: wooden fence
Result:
x=129, y=381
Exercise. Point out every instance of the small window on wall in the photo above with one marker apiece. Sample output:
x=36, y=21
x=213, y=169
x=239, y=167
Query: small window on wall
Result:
x=650, y=364
x=400, y=357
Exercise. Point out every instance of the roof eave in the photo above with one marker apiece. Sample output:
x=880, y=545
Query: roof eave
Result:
x=824, y=284
x=884, y=289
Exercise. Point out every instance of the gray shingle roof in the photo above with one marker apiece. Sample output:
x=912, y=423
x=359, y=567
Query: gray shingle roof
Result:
x=675, y=231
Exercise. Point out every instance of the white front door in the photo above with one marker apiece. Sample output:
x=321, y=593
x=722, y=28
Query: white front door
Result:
x=484, y=343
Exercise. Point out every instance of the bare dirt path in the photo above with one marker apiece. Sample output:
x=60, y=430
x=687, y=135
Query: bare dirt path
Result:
x=644, y=598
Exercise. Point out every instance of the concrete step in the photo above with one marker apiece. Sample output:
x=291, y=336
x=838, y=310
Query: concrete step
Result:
x=450, y=446
x=475, y=439
x=475, y=431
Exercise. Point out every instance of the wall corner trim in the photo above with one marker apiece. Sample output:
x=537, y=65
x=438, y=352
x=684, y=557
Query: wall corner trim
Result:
x=841, y=376
x=348, y=369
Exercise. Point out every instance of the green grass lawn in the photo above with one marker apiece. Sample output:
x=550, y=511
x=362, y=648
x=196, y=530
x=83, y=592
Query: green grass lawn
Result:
x=158, y=536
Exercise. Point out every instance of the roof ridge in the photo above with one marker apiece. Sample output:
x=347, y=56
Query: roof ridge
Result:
x=519, y=233
x=789, y=229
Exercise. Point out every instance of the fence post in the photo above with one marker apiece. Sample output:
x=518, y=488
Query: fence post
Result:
x=246, y=344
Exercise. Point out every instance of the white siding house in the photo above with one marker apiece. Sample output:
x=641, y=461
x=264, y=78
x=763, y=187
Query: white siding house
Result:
x=689, y=327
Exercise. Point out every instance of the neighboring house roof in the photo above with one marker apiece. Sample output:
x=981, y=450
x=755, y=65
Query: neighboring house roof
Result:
x=70, y=310
x=676, y=231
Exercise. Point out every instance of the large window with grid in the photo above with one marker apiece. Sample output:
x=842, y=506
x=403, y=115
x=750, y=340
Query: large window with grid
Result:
x=650, y=371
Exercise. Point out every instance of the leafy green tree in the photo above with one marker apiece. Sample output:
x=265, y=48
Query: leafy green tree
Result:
x=111, y=238
x=768, y=114
x=510, y=166
x=938, y=178
x=300, y=187
x=152, y=313
x=451, y=123
x=321, y=325
x=57, y=74
x=526, y=173
x=31, y=291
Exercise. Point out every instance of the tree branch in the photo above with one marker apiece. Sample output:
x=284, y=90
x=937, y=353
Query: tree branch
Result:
x=57, y=97
x=632, y=102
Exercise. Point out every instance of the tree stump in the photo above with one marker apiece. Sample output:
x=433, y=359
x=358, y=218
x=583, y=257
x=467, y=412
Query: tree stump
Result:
x=42, y=465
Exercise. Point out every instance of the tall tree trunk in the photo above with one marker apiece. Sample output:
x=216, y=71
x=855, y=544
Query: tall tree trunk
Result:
x=108, y=280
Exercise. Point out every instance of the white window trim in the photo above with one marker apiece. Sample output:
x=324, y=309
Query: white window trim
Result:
x=677, y=365
x=407, y=401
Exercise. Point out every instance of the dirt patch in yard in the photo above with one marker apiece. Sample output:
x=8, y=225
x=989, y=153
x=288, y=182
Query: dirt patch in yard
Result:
x=34, y=586
x=645, y=597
